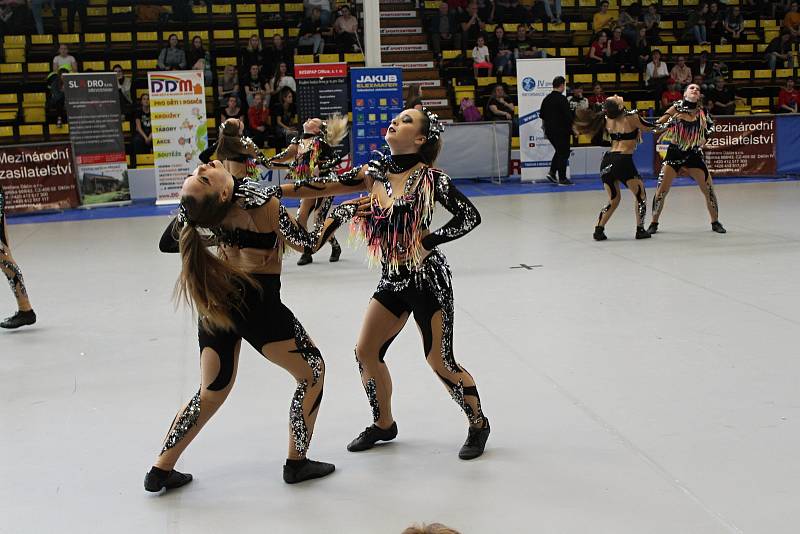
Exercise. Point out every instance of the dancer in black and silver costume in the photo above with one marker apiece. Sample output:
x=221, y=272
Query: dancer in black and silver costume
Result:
x=25, y=314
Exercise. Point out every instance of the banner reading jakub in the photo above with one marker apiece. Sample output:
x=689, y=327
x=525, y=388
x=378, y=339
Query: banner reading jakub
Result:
x=38, y=177
x=95, y=129
x=376, y=96
x=739, y=146
x=180, y=132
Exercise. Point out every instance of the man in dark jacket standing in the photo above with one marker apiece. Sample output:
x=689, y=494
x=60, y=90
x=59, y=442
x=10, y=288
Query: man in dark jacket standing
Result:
x=557, y=124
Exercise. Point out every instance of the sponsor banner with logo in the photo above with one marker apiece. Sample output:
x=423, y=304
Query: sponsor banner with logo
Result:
x=405, y=30
x=398, y=14
x=404, y=48
x=377, y=96
x=95, y=129
x=534, y=82
x=322, y=92
x=410, y=64
x=38, y=177
x=425, y=83
x=739, y=146
x=435, y=102
x=180, y=131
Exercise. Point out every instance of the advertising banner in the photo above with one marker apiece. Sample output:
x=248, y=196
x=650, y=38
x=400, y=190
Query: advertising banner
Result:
x=739, y=146
x=534, y=82
x=321, y=90
x=377, y=96
x=38, y=177
x=95, y=129
x=180, y=132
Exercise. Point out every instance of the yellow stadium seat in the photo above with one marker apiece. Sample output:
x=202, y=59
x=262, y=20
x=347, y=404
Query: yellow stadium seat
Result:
x=144, y=160
x=645, y=104
x=666, y=25
x=15, y=55
x=6, y=131
x=58, y=130
x=93, y=65
x=126, y=126
x=511, y=81
x=359, y=57
x=223, y=61
x=568, y=3
x=723, y=49
x=147, y=36
x=537, y=26
x=698, y=49
x=783, y=73
x=8, y=98
x=270, y=7
x=744, y=48
x=39, y=67
x=124, y=63
x=629, y=77
x=582, y=78
x=31, y=129
x=741, y=75
x=584, y=139
x=199, y=10
x=294, y=7
x=247, y=22
x=514, y=143
x=450, y=54
x=97, y=12
x=94, y=38
x=552, y=27
x=484, y=81
x=69, y=38
x=749, y=23
x=762, y=73
x=587, y=3
x=569, y=51
x=246, y=8
x=679, y=49
x=10, y=68
x=269, y=32
x=41, y=39
x=211, y=123
x=221, y=9
x=121, y=9
x=760, y=101
x=223, y=34
x=303, y=59
x=294, y=32
x=14, y=40
x=121, y=37
x=33, y=98
x=607, y=77
x=328, y=58
x=146, y=64
x=578, y=26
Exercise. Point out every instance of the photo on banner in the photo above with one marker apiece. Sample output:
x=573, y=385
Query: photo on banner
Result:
x=95, y=130
x=376, y=97
x=534, y=82
x=180, y=129
x=38, y=177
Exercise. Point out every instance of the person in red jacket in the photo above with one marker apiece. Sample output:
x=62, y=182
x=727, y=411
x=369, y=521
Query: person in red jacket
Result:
x=788, y=98
x=258, y=117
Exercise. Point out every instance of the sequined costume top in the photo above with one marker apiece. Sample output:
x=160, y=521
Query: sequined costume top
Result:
x=318, y=155
x=688, y=135
x=394, y=233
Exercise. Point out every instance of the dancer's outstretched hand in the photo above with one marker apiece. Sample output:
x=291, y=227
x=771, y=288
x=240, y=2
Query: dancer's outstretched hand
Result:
x=363, y=205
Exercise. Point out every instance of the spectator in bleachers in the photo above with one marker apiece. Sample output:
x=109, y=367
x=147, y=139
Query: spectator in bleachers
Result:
x=311, y=30
x=172, y=57
x=696, y=26
x=714, y=23
x=641, y=49
x=525, y=48
x=481, y=59
x=681, y=73
x=703, y=66
x=656, y=73
x=780, y=48
x=672, y=93
x=281, y=79
x=788, y=97
x=346, y=29
x=722, y=100
x=74, y=7
x=597, y=98
x=501, y=52
x=258, y=119
x=600, y=50
x=199, y=58
x=228, y=84
x=734, y=25
x=124, y=85
x=442, y=28
x=577, y=100
x=620, y=51
x=628, y=23
x=324, y=7
x=64, y=58
x=279, y=52
x=652, y=21
x=471, y=26
x=604, y=19
x=253, y=84
x=56, y=98
x=252, y=54
x=500, y=108
x=791, y=21
x=232, y=110
x=143, y=132
x=700, y=81
x=552, y=12
x=468, y=111
x=285, y=117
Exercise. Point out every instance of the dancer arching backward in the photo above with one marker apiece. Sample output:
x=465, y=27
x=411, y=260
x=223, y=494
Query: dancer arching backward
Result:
x=237, y=296
x=624, y=129
x=415, y=277
x=312, y=156
x=25, y=315
x=688, y=127
x=239, y=155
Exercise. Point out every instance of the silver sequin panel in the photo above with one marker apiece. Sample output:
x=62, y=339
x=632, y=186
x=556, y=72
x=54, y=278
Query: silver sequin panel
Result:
x=372, y=396
x=458, y=396
x=185, y=422
x=308, y=351
x=297, y=421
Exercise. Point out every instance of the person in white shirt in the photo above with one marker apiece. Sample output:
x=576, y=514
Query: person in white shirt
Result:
x=480, y=56
x=656, y=74
x=63, y=58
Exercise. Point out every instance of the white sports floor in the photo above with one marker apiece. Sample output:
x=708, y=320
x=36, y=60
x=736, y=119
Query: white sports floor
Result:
x=639, y=387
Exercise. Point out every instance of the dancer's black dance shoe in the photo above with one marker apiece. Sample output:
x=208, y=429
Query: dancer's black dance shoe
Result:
x=21, y=318
x=299, y=470
x=158, y=479
x=476, y=442
x=717, y=227
x=370, y=436
x=641, y=233
x=336, y=251
x=599, y=234
x=552, y=179
x=653, y=228
x=305, y=259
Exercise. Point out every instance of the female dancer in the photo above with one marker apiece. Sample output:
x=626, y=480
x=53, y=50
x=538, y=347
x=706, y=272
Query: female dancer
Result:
x=624, y=128
x=313, y=156
x=688, y=127
x=415, y=275
x=25, y=315
x=237, y=295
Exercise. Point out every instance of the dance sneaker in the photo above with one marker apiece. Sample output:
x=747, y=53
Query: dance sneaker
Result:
x=717, y=227
x=158, y=479
x=370, y=436
x=299, y=470
x=336, y=251
x=653, y=228
x=641, y=233
x=599, y=234
x=476, y=442
x=305, y=259
x=552, y=179
x=565, y=181
x=21, y=318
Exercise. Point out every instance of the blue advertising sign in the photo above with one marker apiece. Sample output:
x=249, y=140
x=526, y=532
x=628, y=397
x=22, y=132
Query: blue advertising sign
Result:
x=376, y=96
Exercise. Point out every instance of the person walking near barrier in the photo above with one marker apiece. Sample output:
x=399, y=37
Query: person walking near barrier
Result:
x=557, y=124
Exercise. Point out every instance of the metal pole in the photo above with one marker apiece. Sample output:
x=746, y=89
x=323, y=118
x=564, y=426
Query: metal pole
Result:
x=372, y=33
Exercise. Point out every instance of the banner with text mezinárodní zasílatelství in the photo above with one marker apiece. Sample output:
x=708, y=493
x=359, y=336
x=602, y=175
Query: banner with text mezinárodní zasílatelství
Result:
x=180, y=132
x=95, y=130
x=534, y=82
x=376, y=97
x=38, y=177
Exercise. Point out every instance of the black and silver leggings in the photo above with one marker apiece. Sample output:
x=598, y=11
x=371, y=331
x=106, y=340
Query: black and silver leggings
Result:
x=7, y=264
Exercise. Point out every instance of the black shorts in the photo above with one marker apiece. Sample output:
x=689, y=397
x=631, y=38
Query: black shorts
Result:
x=422, y=292
x=618, y=166
x=678, y=159
x=263, y=319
